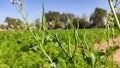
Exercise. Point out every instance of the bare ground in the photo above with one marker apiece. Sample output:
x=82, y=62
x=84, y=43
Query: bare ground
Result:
x=116, y=42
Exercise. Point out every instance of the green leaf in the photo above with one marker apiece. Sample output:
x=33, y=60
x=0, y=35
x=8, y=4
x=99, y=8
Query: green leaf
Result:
x=0, y=52
x=93, y=58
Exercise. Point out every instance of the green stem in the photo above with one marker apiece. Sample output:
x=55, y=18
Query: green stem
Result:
x=36, y=36
x=56, y=37
x=76, y=43
x=114, y=13
x=69, y=47
x=41, y=44
x=45, y=51
x=43, y=18
x=24, y=17
x=74, y=53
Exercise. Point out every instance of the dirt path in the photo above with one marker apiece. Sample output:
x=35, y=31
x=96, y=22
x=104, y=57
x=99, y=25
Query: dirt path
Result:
x=103, y=46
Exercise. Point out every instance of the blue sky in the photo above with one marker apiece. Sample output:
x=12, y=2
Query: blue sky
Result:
x=33, y=7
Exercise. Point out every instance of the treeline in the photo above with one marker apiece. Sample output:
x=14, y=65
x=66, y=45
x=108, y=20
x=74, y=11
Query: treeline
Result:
x=56, y=20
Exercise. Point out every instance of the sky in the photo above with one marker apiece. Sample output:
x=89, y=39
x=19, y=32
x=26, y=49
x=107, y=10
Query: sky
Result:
x=34, y=7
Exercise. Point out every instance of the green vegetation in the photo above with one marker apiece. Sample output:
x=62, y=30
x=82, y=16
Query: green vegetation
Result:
x=14, y=23
x=19, y=49
x=70, y=48
x=97, y=18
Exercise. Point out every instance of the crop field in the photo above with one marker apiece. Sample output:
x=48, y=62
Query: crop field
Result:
x=79, y=44
x=19, y=49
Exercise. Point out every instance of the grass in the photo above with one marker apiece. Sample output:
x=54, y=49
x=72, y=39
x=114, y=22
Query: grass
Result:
x=18, y=49
x=91, y=34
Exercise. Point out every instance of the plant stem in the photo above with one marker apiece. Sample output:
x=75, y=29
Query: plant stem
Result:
x=114, y=13
x=76, y=42
x=56, y=37
x=43, y=18
x=35, y=35
x=69, y=47
x=75, y=50
x=45, y=51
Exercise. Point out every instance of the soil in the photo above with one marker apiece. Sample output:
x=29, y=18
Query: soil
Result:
x=2, y=30
x=103, y=46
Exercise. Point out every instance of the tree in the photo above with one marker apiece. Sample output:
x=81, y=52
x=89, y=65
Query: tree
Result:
x=97, y=18
x=70, y=16
x=58, y=24
x=83, y=23
x=52, y=16
x=2, y=26
x=80, y=22
x=37, y=23
x=57, y=20
x=63, y=17
x=118, y=15
x=13, y=23
x=68, y=26
x=76, y=22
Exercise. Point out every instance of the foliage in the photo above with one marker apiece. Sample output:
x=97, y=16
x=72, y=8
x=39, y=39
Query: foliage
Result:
x=76, y=22
x=13, y=23
x=98, y=17
x=65, y=48
x=69, y=26
x=21, y=50
x=58, y=20
x=81, y=23
x=2, y=26
x=52, y=16
x=118, y=15
x=37, y=23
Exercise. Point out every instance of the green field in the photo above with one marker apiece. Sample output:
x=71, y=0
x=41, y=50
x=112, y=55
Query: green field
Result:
x=19, y=49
